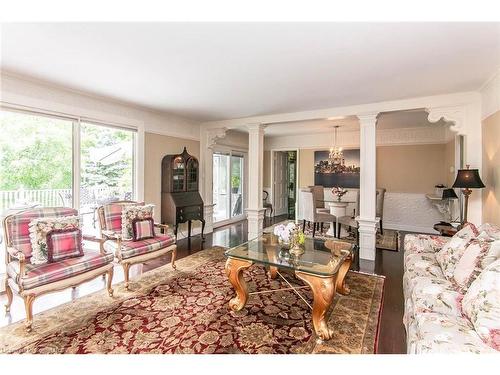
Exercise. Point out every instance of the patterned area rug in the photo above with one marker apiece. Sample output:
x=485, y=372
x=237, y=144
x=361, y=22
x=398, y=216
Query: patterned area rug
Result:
x=186, y=311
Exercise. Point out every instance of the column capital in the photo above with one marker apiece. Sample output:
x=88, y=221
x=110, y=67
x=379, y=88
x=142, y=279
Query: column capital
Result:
x=212, y=135
x=366, y=119
x=256, y=127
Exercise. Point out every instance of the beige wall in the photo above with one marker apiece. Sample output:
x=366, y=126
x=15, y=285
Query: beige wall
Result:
x=403, y=169
x=491, y=168
x=306, y=167
x=155, y=148
x=412, y=168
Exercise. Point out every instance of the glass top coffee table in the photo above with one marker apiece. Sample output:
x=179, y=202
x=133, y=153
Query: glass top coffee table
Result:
x=323, y=267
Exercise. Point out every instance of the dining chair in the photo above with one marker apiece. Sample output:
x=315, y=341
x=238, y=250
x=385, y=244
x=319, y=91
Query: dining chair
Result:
x=308, y=211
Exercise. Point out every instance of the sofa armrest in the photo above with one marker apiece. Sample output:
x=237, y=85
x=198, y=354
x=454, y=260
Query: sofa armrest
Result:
x=100, y=241
x=424, y=243
x=163, y=227
x=19, y=255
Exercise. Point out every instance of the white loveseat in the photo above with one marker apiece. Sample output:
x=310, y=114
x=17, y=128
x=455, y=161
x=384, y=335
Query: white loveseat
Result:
x=452, y=291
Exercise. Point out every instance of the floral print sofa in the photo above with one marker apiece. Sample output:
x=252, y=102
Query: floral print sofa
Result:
x=452, y=291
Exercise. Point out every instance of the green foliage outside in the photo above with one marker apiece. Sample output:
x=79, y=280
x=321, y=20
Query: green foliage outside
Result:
x=36, y=153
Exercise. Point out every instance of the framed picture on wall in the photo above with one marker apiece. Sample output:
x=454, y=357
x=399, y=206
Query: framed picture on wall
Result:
x=343, y=170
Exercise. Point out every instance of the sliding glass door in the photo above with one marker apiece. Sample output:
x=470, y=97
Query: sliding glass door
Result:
x=227, y=186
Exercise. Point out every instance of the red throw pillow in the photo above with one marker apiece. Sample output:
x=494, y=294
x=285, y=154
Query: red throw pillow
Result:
x=63, y=244
x=143, y=229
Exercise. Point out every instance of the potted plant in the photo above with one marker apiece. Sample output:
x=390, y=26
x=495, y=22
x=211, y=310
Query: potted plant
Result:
x=235, y=184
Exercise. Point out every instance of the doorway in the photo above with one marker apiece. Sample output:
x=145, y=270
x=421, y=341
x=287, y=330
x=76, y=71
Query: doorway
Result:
x=285, y=183
x=228, y=172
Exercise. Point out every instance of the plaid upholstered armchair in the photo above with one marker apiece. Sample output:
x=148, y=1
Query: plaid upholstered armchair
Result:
x=144, y=245
x=52, y=233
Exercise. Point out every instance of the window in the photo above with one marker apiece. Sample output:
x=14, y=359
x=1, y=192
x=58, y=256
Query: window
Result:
x=106, y=169
x=39, y=165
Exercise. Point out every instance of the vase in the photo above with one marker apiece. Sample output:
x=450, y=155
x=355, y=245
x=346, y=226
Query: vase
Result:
x=296, y=250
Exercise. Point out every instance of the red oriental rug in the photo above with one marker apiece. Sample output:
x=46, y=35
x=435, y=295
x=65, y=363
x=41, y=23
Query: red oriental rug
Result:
x=186, y=311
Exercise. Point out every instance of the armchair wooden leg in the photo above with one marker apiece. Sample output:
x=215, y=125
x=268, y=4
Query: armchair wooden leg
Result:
x=321, y=227
x=381, y=228
x=126, y=267
x=314, y=229
x=110, y=282
x=303, y=225
x=174, y=256
x=28, y=304
x=10, y=296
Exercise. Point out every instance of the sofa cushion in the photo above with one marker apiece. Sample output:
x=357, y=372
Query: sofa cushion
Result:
x=420, y=259
x=18, y=225
x=481, y=304
x=39, y=228
x=452, y=251
x=131, y=213
x=438, y=333
x=63, y=244
x=40, y=274
x=423, y=281
x=436, y=298
x=133, y=248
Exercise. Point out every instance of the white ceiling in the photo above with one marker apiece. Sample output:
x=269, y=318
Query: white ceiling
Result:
x=210, y=71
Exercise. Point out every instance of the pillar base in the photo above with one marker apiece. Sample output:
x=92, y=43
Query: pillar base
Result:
x=208, y=213
x=255, y=222
x=367, y=238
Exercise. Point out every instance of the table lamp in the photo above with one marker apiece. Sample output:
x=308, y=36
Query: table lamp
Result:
x=466, y=180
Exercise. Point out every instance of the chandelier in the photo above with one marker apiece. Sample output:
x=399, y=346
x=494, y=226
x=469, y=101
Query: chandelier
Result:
x=336, y=161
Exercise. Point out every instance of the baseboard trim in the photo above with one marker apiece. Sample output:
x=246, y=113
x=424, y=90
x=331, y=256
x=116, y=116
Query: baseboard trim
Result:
x=409, y=228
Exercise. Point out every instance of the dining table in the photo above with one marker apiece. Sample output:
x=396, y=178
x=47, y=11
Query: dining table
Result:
x=338, y=208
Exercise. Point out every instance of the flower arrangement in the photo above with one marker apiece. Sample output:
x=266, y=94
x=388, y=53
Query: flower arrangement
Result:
x=291, y=235
x=339, y=192
x=284, y=232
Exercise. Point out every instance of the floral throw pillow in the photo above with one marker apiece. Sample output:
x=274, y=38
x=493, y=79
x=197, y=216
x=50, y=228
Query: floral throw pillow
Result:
x=476, y=257
x=491, y=230
x=131, y=213
x=453, y=250
x=40, y=227
x=481, y=304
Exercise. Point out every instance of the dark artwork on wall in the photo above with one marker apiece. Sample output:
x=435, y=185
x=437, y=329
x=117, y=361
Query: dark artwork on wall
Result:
x=343, y=173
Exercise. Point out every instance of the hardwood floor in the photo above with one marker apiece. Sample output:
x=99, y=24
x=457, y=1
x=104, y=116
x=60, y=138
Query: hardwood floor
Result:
x=387, y=263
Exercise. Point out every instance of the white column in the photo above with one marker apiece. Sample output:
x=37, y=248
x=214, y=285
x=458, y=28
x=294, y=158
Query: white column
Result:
x=368, y=186
x=255, y=211
x=208, y=139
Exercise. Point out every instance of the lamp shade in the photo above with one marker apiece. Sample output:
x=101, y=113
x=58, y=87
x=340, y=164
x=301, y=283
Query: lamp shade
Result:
x=468, y=179
x=449, y=194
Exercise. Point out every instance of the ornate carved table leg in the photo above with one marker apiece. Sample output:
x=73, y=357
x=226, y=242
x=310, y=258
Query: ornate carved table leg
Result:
x=323, y=289
x=273, y=272
x=341, y=286
x=234, y=268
